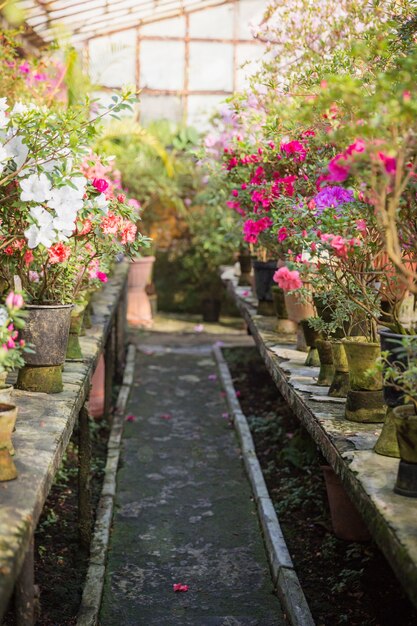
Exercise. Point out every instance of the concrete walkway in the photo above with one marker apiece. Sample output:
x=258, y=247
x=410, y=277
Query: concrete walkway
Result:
x=184, y=511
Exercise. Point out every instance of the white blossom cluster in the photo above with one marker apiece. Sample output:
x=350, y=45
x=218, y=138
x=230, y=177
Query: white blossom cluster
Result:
x=53, y=201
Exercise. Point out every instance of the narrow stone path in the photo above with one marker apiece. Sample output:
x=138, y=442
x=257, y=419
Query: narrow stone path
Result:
x=184, y=511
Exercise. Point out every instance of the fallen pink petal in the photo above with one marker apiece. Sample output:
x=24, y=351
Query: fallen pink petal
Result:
x=166, y=416
x=238, y=394
x=130, y=418
x=225, y=415
x=180, y=587
x=212, y=377
x=199, y=328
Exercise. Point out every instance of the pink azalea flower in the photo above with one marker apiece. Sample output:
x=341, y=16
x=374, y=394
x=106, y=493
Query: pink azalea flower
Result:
x=128, y=232
x=288, y=279
x=14, y=300
x=361, y=225
x=390, y=163
x=58, y=253
x=282, y=234
x=102, y=277
x=100, y=184
x=180, y=587
x=338, y=169
x=295, y=149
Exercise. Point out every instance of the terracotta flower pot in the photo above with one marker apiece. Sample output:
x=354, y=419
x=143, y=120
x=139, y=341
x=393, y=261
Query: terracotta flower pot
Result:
x=97, y=392
x=139, y=311
x=284, y=325
x=346, y=521
x=46, y=329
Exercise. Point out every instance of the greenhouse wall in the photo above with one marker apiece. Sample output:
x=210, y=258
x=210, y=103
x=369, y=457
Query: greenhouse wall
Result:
x=184, y=66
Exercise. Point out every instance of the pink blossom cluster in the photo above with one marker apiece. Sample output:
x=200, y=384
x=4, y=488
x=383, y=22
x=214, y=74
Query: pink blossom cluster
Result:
x=252, y=229
x=287, y=279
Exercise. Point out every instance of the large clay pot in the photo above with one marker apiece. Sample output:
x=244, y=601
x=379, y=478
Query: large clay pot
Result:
x=346, y=522
x=46, y=330
x=97, y=392
x=405, y=418
x=284, y=325
x=264, y=272
x=365, y=400
x=139, y=311
x=299, y=309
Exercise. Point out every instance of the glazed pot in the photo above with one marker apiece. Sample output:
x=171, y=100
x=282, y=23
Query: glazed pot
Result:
x=264, y=272
x=346, y=522
x=46, y=331
x=6, y=394
x=326, y=373
x=405, y=418
x=139, y=312
x=362, y=357
x=245, y=262
x=311, y=336
x=211, y=309
x=340, y=383
x=387, y=444
x=76, y=329
x=8, y=415
x=284, y=325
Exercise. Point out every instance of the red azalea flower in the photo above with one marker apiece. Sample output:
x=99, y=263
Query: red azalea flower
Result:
x=58, y=253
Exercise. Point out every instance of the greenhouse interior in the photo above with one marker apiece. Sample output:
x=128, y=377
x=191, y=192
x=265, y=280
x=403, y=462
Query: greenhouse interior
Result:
x=208, y=314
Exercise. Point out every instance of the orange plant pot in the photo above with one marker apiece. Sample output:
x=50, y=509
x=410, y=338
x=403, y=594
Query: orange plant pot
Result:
x=139, y=309
x=97, y=392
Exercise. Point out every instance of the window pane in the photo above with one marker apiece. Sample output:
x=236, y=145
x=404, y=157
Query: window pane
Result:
x=214, y=23
x=200, y=108
x=250, y=12
x=112, y=59
x=162, y=64
x=247, y=58
x=173, y=28
x=160, y=107
x=211, y=66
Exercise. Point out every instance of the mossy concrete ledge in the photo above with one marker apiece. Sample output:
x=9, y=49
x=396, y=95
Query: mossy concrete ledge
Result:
x=43, y=429
x=284, y=575
x=368, y=478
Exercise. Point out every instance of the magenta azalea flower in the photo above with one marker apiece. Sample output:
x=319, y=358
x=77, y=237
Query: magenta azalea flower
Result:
x=331, y=197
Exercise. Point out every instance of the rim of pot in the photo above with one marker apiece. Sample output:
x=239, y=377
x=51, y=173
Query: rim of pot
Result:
x=5, y=408
x=361, y=341
x=48, y=306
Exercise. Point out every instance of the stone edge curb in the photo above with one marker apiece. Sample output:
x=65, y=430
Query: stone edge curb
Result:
x=283, y=573
x=93, y=587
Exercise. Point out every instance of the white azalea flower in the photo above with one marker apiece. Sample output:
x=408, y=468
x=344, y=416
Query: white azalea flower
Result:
x=42, y=232
x=102, y=203
x=19, y=109
x=35, y=188
x=4, y=157
x=3, y=316
x=4, y=120
x=3, y=104
x=65, y=199
x=16, y=149
x=81, y=183
x=64, y=226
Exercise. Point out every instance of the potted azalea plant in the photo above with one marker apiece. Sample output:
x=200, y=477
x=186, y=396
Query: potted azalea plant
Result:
x=55, y=224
